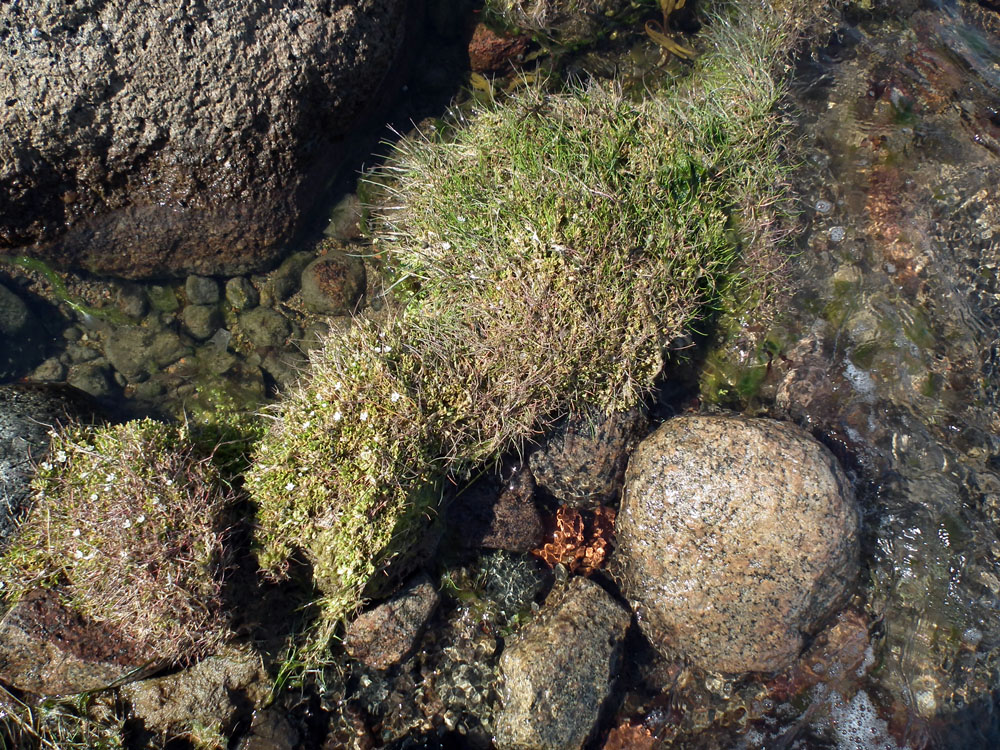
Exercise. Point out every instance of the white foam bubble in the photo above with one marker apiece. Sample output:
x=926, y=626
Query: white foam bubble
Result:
x=856, y=725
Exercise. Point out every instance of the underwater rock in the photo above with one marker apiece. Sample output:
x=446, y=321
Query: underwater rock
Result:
x=201, y=290
x=241, y=294
x=736, y=538
x=47, y=649
x=382, y=636
x=264, y=327
x=23, y=347
x=583, y=462
x=201, y=321
x=333, y=284
x=498, y=512
x=145, y=140
x=558, y=671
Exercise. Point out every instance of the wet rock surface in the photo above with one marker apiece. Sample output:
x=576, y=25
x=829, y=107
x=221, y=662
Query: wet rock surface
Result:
x=333, y=284
x=558, y=672
x=382, y=636
x=47, y=649
x=736, y=538
x=23, y=342
x=27, y=413
x=582, y=463
x=157, y=141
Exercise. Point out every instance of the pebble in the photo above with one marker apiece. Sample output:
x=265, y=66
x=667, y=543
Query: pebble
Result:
x=823, y=207
x=201, y=290
x=837, y=233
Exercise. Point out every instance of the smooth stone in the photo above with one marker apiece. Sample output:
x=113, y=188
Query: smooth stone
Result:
x=736, y=539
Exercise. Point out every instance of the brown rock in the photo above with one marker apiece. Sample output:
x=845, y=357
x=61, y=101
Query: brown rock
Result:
x=736, y=537
x=489, y=51
x=333, y=284
x=382, y=636
x=47, y=649
x=210, y=696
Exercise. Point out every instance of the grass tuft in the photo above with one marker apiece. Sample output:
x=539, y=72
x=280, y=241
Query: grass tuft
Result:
x=544, y=252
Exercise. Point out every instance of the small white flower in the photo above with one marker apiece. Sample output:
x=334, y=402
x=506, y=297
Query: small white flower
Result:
x=446, y=246
x=46, y=466
x=84, y=474
x=169, y=483
x=394, y=397
x=110, y=477
x=460, y=219
x=363, y=416
x=386, y=349
x=337, y=416
x=90, y=555
x=306, y=424
x=290, y=486
x=127, y=524
x=61, y=456
x=140, y=519
x=337, y=386
x=78, y=555
x=76, y=532
x=93, y=497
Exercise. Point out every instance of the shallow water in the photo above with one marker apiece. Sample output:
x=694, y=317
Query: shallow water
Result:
x=888, y=353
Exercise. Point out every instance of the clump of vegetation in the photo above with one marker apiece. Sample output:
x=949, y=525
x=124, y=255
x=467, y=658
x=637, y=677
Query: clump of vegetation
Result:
x=129, y=527
x=545, y=251
x=83, y=722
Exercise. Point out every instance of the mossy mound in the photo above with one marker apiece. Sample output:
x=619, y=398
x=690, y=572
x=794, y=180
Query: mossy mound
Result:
x=129, y=526
x=545, y=252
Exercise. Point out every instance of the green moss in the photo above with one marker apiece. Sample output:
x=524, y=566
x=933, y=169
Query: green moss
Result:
x=128, y=525
x=549, y=246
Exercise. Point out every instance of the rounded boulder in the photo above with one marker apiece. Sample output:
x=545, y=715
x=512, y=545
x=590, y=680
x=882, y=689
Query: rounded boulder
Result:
x=736, y=538
x=148, y=140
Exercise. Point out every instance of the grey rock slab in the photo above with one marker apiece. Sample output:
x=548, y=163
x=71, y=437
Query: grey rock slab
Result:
x=559, y=670
x=382, y=636
x=736, y=538
x=161, y=139
x=582, y=463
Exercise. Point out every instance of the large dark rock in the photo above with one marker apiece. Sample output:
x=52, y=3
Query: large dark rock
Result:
x=160, y=139
x=27, y=413
x=736, y=538
x=558, y=672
